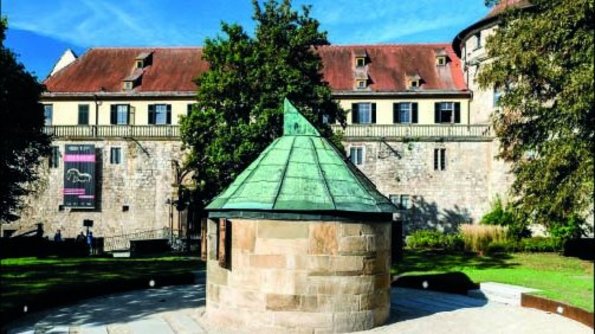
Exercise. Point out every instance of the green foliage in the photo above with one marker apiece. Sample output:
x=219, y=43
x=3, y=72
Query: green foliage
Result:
x=505, y=216
x=428, y=239
x=239, y=108
x=530, y=245
x=21, y=131
x=543, y=61
x=570, y=228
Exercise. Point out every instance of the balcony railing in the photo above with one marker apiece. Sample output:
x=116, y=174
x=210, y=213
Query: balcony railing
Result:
x=476, y=131
x=106, y=131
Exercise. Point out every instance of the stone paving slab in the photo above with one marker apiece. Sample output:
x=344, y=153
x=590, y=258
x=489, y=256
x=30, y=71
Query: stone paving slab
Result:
x=179, y=309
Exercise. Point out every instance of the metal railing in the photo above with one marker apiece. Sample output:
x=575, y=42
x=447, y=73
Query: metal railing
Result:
x=122, y=242
x=106, y=131
x=414, y=130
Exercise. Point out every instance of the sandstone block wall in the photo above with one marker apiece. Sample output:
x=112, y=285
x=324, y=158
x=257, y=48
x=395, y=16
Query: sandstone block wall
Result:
x=301, y=277
x=441, y=199
x=143, y=182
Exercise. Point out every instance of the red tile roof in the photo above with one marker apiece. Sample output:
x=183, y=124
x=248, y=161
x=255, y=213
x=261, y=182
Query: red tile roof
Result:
x=104, y=69
x=505, y=4
x=388, y=67
x=173, y=69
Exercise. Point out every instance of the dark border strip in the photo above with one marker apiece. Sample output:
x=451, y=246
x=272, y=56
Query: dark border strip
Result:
x=571, y=312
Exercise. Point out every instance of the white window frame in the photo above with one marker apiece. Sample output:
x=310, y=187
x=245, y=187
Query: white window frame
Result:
x=360, y=111
x=409, y=112
x=122, y=110
x=361, y=84
x=363, y=155
x=115, y=155
x=439, y=159
x=477, y=37
x=452, y=112
x=160, y=111
x=401, y=201
x=48, y=113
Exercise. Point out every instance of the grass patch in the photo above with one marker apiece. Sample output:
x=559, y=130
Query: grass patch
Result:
x=560, y=278
x=47, y=282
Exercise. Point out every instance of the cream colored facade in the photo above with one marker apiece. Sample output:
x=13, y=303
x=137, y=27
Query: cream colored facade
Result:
x=384, y=108
x=65, y=112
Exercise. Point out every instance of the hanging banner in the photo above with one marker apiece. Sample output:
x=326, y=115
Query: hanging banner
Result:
x=79, y=176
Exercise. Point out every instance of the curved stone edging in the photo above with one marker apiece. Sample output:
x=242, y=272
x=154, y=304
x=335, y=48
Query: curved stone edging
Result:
x=563, y=309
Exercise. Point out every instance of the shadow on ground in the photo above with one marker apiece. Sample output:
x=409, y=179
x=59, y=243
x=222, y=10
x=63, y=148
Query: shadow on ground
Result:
x=118, y=308
x=408, y=304
x=449, y=261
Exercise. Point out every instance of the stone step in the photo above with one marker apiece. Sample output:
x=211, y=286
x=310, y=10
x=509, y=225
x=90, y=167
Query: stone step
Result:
x=120, y=254
x=500, y=293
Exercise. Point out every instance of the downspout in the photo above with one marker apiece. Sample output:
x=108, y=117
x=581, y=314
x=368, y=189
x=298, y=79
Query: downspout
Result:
x=95, y=99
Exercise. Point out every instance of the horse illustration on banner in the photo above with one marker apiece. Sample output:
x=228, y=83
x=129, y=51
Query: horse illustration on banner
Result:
x=75, y=176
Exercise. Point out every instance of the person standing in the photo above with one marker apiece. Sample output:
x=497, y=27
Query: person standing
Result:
x=58, y=236
x=90, y=242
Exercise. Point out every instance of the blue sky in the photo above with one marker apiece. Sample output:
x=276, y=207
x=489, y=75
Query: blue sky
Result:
x=40, y=30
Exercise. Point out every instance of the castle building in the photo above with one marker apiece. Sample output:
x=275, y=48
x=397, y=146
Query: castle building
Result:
x=418, y=127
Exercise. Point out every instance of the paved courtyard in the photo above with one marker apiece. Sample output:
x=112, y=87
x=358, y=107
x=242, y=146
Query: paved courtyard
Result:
x=179, y=309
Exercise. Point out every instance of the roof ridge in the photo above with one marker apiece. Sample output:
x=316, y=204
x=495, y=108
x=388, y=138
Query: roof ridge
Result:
x=385, y=45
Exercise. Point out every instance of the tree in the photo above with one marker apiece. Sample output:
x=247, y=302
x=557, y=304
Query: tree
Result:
x=239, y=107
x=542, y=59
x=21, y=131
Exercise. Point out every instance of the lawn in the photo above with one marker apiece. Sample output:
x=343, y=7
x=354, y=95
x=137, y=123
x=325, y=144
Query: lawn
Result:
x=560, y=278
x=40, y=283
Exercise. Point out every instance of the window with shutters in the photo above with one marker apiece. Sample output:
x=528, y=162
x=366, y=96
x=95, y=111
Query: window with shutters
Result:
x=189, y=108
x=447, y=112
x=363, y=113
x=405, y=112
x=159, y=114
x=83, y=114
x=115, y=155
x=439, y=159
x=477, y=38
x=357, y=155
x=120, y=114
x=54, y=158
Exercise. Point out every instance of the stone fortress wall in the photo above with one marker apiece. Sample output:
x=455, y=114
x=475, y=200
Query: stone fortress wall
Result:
x=132, y=195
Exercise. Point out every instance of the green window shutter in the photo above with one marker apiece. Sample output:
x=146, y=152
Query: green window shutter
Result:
x=113, y=114
x=373, y=113
x=437, y=112
x=168, y=120
x=354, y=113
x=151, y=119
x=127, y=114
x=414, y=112
x=457, y=112
x=396, y=114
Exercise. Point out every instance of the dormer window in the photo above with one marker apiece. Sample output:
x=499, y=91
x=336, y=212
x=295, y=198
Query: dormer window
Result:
x=360, y=58
x=414, y=81
x=441, y=57
x=143, y=60
x=360, y=62
x=128, y=85
x=361, y=84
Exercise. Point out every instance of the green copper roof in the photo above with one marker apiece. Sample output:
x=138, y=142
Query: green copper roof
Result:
x=300, y=175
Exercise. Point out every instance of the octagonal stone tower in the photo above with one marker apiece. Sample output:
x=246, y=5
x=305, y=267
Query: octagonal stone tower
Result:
x=299, y=242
